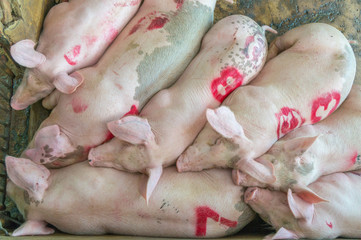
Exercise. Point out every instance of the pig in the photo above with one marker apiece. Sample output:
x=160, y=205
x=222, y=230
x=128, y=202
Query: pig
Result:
x=232, y=53
x=182, y=202
x=149, y=55
x=308, y=74
x=294, y=217
x=75, y=35
x=305, y=154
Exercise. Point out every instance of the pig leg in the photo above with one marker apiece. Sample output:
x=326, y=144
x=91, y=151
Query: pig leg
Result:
x=50, y=144
x=224, y=122
x=68, y=83
x=51, y=101
x=23, y=53
x=28, y=175
x=33, y=227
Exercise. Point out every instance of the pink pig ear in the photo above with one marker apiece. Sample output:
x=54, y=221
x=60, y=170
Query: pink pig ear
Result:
x=68, y=83
x=300, y=208
x=33, y=227
x=224, y=122
x=28, y=175
x=132, y=129
x=261, y=171
x=308, y=195
x=23, y=53
x=301, y=144
x=147, y=186
x=31, y=153
x=283, y=233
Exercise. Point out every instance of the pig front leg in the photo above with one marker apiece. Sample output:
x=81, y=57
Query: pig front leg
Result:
x=33, y=227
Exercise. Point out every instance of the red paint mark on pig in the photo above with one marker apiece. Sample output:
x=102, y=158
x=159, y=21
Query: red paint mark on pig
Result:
x=228, y=223
x=203, y=213
x=254, y=46
x=71, y=56
x=90, y=40
x=179, y=3
x=78, y=105
x=329, y=224
x=111, y=34
x=108, y=136
x=229, y=80
x=324, y=106
x=133, y=111
x=288, y=119
x=158, y=22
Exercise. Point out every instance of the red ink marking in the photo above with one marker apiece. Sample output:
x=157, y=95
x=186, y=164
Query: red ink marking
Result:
x=71, y=56
x=108, y=137
x=179, y=3
x=254, y=45
x=78, y=106
x=324, y=106
x=90, y=40
x=202, y=214
x=288, y=119
x=329, y=224
x=229, y=80
x=119, y=86
x=228, y=223
x=158, y=22
x=115, y=73
x=127, y=3
x=111, y=34
x=133, y=111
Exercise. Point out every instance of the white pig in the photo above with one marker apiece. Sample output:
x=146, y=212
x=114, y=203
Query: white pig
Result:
x=232, y=53
x=149, y=55
x=85, y=200
x=75, y=35
x=294, y=218
x=305, y=154
x=308, y=79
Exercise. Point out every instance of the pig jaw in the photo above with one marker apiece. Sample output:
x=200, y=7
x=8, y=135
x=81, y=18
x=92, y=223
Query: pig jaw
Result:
x=34, y=86
x=272, y=207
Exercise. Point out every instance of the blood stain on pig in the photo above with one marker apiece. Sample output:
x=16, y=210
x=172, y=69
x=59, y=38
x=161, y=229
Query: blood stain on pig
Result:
x=288, y=119
x=329, y=224
x=324, y=106
x=158, y=22
x=229, y=80
x=71, y=56
x=78, y=106
x=179, y=3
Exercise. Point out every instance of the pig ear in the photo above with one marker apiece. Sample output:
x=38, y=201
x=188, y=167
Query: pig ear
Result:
x=23, y=53
x=68, y=83
x=224, y=122
x=300, y=208
x=148, y=185
x=33, y=227
x=308, y=195
x=283, y=233
x=31, y=153
x=133, y=129
x=299, y=144
x=28, y=175
x=260, y=171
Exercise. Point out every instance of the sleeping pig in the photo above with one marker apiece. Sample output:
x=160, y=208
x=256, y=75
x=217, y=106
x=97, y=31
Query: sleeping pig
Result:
x=75, y=35
x=309, y=73
x=232, y=53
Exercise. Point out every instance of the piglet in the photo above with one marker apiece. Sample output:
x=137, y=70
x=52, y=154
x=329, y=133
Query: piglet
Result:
x=84, y=200
x=294, y=217
x=75, y=35
x=232, y=53
x=148, y=55
x=311, y=151
x=309, y=73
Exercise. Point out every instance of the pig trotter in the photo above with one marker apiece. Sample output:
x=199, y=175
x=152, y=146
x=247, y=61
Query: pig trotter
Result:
x=23, y=53
x=33, y=227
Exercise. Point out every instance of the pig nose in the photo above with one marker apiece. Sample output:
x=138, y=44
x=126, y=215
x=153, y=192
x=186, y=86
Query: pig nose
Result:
x=92, y=157
x=182, y=163
x=16, y=105
x=250, y=194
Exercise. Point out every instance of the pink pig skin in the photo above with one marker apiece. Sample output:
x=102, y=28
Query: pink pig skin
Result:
x=177, y=114
x=75, y=35
x=121, y=80
x=305, y=154
x=310, y=72
x=294, y=217
x=83, y=200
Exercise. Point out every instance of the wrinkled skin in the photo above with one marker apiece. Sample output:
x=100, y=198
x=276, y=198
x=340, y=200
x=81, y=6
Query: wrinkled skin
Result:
x=75, y=35
x=294, y=217
x=173, y=117
x=94, y=201
x=307, y=153
x=120, y=82
x=309, y=73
